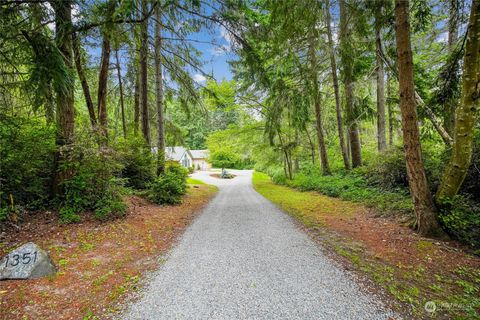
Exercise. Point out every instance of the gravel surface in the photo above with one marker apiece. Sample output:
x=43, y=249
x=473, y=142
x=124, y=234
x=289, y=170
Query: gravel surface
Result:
x=243, y=258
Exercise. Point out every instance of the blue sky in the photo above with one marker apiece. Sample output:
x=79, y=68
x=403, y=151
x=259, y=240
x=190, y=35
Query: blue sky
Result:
x=214, y=44
x=215, y=55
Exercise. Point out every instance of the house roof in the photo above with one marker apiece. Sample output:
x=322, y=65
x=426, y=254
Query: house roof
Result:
x=199, y=154
x=175, y=153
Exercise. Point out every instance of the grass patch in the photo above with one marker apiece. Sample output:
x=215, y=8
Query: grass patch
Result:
x=309, y=207
x=194, y=181
x=456, y=292
x=354, y=188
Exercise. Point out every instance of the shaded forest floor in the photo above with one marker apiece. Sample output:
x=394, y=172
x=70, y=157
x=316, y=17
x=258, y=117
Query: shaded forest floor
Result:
x=98, y=262
x=410, y=269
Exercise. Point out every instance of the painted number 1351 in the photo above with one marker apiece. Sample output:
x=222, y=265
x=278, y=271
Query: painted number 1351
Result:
x=16, y=259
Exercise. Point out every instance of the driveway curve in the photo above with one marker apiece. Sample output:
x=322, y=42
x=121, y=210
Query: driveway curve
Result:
x=243, y=258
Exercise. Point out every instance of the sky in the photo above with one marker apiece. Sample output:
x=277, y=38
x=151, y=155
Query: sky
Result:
x=214, y=44
x=215, y=55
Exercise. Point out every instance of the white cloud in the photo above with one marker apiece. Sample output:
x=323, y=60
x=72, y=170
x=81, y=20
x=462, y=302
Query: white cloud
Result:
x=443, y=37
x=198, y=78
x=225, y=35
x=75, y=13
x=220, y=50
x=228, y=38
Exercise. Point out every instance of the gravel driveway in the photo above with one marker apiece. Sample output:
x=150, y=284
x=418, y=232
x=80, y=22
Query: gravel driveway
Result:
x=243, y=258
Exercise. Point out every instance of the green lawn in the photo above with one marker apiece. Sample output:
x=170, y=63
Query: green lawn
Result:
x=194, y=181
x=309, y=207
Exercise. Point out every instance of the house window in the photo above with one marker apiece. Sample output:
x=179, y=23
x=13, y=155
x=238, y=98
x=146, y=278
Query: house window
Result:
x=185, y=162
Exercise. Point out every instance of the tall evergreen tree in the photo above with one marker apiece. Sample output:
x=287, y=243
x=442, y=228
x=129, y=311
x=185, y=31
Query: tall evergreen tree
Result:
x=427, y=223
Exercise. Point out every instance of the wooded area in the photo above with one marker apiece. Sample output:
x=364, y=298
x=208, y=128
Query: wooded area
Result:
x=360, y=120
x=377, y=101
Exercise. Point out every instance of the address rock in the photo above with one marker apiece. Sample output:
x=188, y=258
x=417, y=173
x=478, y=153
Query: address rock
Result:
x=26, y=262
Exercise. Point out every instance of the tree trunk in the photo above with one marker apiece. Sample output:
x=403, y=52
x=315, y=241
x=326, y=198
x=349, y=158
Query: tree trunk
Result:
x=296, y=161
x=136, y=90
x=159, y=89
x=103, y=78
x=428, y=112
x=312, y=146
x=338, y=108
x=467, y=112
x=346, y=57
x=287, y=162
x=120, y=87
x=136, y=101
x=425, y=211
x=451, y=104
x=102, y=90
x=381, y=138
x=144, y=75
x=65, y=113
x=390, y=112
x=83, y=81
x=49, y=107
x=321, y=139
x=318, y=105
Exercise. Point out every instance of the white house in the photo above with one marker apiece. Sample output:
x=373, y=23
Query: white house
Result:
x=200, y=158
x=178, y=154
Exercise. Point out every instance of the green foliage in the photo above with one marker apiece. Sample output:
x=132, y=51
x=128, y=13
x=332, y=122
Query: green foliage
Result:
x=232, y=148
x=194, y=181
x=11, y=212
x=93, y=186
x=220, y=95
x=389, y=172
x=220, y=112
x=460, y=217
x=137, y=163
x=69, y=215
x=351, y=187
x=224, y=159
x=169, y=187
x=110, y=205
x=471, y=185
x=26, y=158
x=277, y=174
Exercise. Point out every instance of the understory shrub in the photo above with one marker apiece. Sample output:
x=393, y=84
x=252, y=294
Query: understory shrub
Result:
x=11, y=213
x=26, y=162
x=137, y=161
x=355, y=188
x=351, y=186
x=93, y=186
x=169, y=187
x=460, y=217
x=389, y=171
x=471, y=185
x=277, y=174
